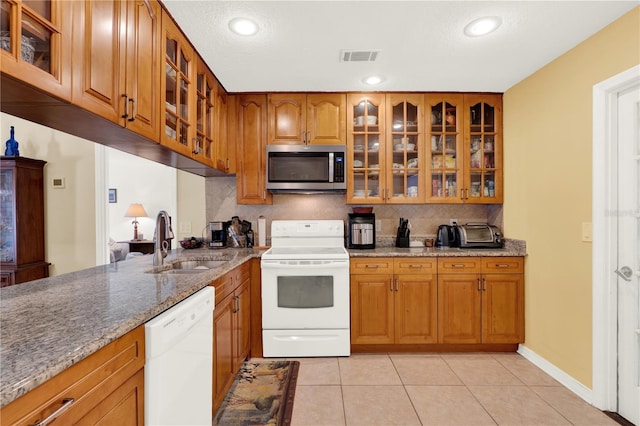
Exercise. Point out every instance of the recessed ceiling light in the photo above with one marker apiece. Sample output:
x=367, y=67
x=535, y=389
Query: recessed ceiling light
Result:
x=243, y=26
x=482, y=26
x=373, y=80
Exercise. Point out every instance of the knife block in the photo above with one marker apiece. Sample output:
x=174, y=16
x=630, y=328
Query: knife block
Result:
x=402, y=241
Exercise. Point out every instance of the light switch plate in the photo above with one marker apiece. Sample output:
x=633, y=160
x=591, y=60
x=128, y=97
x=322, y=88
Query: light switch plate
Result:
x=587, y=232
x=185, y=227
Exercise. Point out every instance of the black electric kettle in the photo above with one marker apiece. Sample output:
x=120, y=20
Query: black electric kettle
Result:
x=447, y=236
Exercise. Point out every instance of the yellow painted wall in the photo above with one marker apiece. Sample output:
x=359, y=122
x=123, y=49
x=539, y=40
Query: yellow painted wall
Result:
x=70, y=218
x=547, y=146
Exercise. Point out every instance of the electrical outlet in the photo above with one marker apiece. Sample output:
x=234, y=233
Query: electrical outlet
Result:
x=378, y=225
x=185, y=227
x=453, y=222
x=587, y=232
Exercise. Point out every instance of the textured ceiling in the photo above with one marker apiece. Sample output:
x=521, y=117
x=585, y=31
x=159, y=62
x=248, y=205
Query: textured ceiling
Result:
x=422, y=44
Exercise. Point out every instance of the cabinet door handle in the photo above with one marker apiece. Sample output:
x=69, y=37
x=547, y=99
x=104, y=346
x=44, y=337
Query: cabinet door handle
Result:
x=484, y=284
x=479, y=287
x=196, y=146
x=397, y=287
x=133, y=109
x=308, y=137
x=390, y=284
x=66, y=404
x=126, y=106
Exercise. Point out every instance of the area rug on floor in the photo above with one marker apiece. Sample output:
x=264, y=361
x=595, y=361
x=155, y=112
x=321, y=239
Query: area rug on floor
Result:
x=261, y=394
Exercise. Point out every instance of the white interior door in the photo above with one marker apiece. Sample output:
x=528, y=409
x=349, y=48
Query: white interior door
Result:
x=628, y=268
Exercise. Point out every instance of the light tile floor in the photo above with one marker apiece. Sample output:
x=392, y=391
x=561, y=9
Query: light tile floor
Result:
x=434, y=389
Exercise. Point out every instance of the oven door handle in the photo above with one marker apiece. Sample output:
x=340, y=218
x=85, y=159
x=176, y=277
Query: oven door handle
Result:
x=266, y=264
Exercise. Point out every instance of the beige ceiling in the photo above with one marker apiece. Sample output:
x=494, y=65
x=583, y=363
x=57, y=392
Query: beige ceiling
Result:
x=422, y=45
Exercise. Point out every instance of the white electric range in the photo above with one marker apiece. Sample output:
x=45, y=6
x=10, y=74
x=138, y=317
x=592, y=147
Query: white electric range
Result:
x=305, y=290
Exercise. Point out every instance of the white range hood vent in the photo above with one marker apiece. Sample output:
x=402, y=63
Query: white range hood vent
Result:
x=358, y=55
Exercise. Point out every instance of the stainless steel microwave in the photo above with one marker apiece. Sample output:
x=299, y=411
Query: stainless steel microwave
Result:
x=306, y=168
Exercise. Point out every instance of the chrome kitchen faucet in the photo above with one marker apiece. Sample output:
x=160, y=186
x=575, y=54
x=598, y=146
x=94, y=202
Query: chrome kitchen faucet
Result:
x=161, y=245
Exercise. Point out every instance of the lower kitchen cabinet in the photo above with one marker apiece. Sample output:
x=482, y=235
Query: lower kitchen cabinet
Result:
x=393, y=301
x=105, y=388
x=231, y=329
x=481, y=300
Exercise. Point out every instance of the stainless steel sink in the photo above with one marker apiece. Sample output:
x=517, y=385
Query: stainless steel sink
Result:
x=189, y=266
x=197, y=264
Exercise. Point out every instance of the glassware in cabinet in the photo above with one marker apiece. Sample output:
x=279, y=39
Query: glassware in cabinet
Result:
x=444, y=136
x=484, y=149
x=365, y=148
x=179, y=90
x=405, y=148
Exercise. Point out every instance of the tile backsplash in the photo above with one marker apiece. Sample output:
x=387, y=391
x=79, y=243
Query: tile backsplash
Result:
x=424, y=219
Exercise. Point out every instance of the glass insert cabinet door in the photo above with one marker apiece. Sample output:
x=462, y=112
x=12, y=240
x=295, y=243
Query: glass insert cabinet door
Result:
x=7, y=216
x=444, y=143
x=404, y=148
x=366, y=148
x=483, y=149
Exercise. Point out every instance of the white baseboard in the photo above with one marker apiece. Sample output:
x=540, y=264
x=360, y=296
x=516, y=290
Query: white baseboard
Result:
x=566, y=380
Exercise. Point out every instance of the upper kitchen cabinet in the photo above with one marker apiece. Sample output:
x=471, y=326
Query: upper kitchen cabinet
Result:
x=444, y=165
x=366, y=148
x=464, y=140
x=483, y=149
x=225, y=150
x=301, y=119
x=35, y=44
x=178, y=89
x=206, y=139
x=405, y=148
x=385, y=145
x=116, y=62
x=251, y=151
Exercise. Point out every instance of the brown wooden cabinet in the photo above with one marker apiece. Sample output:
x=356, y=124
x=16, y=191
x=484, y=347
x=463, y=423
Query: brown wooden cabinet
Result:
x=105, y=388
x=39, y=51
x=231, y=329
x=178, y=90
x=464, y=140
x=22, y=236
x=251, y=142
x=481, y=300
x=393, y=301
x=301, y=119
x=116, y=62
x=385, y=142
x=483, y=149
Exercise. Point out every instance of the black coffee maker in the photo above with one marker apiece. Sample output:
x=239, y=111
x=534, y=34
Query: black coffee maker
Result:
x=361, y=231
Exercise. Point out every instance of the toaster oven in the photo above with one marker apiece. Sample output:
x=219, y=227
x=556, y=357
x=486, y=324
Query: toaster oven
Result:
x=479, y=235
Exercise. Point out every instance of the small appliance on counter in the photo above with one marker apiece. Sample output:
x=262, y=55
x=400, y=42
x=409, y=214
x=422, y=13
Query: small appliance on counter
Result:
x=361, y=231
x=479, y=235
x=469, y=236
x=217, y=234
x=447, y=236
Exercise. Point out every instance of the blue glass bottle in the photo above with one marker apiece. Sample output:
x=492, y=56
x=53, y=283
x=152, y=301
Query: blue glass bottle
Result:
x=11, y=146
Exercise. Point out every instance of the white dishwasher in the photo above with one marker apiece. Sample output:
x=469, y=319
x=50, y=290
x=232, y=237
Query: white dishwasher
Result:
x=179, y=363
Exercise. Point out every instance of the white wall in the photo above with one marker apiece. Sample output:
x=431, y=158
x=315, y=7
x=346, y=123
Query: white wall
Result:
x=138, y=180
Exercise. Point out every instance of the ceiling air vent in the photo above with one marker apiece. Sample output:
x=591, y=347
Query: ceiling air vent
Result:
x=358, y=55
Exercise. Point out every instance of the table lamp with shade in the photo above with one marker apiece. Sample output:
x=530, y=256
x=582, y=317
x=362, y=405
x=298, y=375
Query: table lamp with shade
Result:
x=135, y=211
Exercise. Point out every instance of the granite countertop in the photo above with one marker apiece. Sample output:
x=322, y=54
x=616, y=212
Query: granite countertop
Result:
x=511, y=248
x=47, y=325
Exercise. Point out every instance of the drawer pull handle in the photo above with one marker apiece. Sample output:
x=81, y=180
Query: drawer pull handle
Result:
x=502, y=265
x=66, y=404
x=371, y=266
x=415, y=266
x=458, y=265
